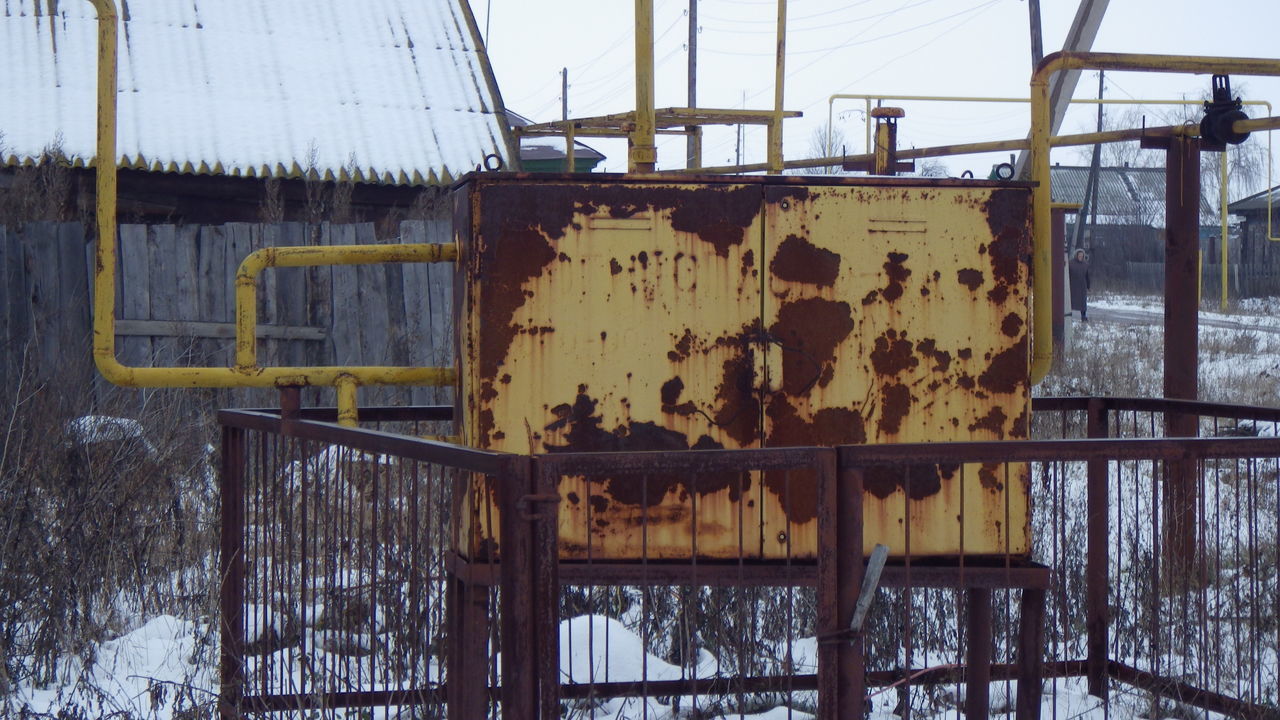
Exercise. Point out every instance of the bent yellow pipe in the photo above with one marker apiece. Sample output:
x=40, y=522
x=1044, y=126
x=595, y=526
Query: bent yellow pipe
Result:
x=244, y=374
x=308, y=256
x=1042, y=264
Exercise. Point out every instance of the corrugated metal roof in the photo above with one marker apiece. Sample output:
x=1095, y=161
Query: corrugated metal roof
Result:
x=1125, y=194
x=1257, y=202
x=386, y=91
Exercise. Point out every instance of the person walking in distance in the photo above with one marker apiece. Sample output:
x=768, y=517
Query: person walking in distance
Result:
x=1078, y=272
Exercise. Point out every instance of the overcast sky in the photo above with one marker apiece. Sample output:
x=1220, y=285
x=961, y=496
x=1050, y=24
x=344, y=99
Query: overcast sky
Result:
x=920, y=47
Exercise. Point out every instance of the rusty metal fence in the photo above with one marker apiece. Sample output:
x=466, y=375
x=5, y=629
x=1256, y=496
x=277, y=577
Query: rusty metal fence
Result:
x=336, y=594
x=1152, y=589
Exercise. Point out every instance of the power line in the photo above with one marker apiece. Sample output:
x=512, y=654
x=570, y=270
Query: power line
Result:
x=850, y=21
x=973, y=12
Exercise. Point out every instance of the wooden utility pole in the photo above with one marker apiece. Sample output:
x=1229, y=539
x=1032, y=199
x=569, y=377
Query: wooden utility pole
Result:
x=1062, y=86
x=564, y=93
x=1037, y=38
x=693, y=142
x=1089, y=203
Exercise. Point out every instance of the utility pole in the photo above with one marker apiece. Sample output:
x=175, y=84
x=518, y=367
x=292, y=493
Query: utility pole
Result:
x=564, y=93
x=693, y=142
x=1037, y=39
x=1090, y=199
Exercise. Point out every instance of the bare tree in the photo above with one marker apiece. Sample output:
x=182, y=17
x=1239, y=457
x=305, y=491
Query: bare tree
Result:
x=826, y=141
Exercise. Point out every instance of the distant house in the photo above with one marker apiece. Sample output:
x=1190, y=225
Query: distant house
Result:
x=1126, y=236
x=246, y=110
x=547, y=154
x=1255, y=246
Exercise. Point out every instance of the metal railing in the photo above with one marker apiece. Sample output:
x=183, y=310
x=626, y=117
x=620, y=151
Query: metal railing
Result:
x=1119, y=607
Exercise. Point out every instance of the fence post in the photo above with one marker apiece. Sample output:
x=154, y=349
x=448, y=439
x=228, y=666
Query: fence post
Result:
x=231, y=572
x=544, y=512
x=841, y=677
x=1097, y=572
x=519, y=627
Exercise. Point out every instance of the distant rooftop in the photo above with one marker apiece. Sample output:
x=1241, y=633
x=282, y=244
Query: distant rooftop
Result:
x=393, y=91
x=1257, y=202
x=543, y=152
x=1125, y=194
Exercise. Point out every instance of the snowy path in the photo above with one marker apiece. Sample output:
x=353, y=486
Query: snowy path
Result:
x=1128, y=314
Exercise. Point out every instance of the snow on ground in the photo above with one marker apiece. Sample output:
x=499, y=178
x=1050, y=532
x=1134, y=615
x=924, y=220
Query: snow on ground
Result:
x=162, y=667
x=149, y=673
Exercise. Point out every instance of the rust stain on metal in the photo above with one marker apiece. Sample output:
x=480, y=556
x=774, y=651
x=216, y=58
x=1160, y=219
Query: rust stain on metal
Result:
x=1006, y=212
x=583, y=432
x=809, y=330
x=917, y=481
x=615, y=267
x=525, y=252
x=988, y=477
x=893, y=354
x=671, y=390
x=970, y=278
x=992, y=422
x=898, y=274
x=1012, y=325
x=670, y=393
x=1007, y=372
x=738, y=414
x=895, y=403
x=599, y=503
x=683, y=347
x=799, y=260
x=829, y=427
x=929, y=349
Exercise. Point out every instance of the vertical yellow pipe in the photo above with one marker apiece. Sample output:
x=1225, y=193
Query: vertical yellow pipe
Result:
x=347, y=413
x=643, y=155
x=1042, y=227
x=779, y=79
x=1222, y=183
x=104, y=285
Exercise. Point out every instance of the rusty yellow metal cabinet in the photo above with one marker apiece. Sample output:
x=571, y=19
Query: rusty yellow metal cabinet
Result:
x=601, y=314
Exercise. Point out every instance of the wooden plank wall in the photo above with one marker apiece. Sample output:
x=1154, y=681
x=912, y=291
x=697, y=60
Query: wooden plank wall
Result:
x=175, y=302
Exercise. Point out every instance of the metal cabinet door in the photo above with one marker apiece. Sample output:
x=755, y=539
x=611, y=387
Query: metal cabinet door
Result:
x=620, y=317
x=898, y=313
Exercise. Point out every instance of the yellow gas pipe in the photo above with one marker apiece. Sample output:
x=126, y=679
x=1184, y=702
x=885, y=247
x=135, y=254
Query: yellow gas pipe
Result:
x=246, y=372
x=1042, y=309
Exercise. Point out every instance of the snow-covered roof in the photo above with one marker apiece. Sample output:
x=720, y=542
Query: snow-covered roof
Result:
x=1257, y=202
x=386, y=91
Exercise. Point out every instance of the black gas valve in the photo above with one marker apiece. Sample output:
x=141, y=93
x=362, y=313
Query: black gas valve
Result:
x=1220, y=115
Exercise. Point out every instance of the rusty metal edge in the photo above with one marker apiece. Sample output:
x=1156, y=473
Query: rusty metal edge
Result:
x=1198, y=407
x=649, y=461
x=373, y=413
x=374, y=441
x=436, y=694
x=806, y=682
x=1059, y=450
x=231, y=574
x=490, y=178
x=1189, y=694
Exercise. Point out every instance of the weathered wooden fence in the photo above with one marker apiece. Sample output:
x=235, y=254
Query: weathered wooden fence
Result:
x=175, y=300
x=1243, y=281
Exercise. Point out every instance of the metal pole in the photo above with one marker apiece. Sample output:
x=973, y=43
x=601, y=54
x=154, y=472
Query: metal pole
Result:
x=779, y=78
x=977, y=700
x=1222, y=204
x=231, y=567
x=1097, y=573
x=1037, y=39
x=693, y=144
x=643, y=155
x=1182, y=348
